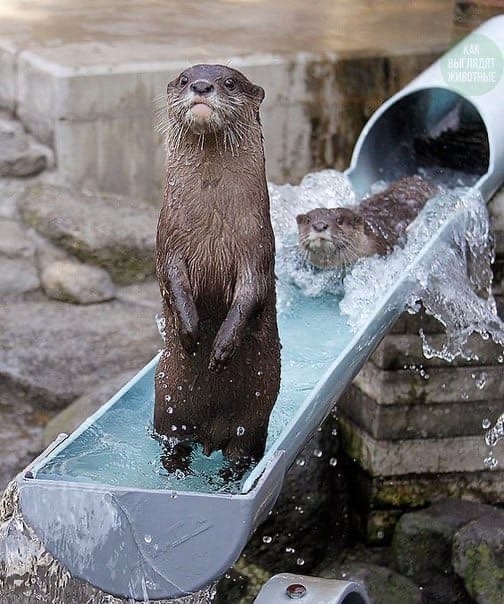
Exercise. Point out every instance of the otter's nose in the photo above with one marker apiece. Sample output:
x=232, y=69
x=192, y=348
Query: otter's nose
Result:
x=319, y=226
x=202, y=87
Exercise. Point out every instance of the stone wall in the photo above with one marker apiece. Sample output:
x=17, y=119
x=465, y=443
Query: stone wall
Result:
x=102, y=122
x=413, y=428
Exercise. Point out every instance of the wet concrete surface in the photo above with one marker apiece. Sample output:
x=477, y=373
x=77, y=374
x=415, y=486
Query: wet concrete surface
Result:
x=110, y=32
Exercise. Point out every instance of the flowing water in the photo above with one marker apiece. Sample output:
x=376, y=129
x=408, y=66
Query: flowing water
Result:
x=318, y=313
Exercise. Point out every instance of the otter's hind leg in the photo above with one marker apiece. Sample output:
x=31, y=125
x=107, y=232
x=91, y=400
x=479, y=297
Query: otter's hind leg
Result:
x=177, y=458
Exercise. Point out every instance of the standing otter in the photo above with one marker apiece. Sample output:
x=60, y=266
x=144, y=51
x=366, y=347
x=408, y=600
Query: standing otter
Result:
x=337, y=237
x=219, y=373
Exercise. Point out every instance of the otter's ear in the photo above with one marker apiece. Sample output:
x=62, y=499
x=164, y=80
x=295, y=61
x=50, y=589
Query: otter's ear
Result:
x=258, y=94
x=302, y=219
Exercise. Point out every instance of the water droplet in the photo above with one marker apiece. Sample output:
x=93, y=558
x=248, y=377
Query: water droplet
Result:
x=184, y=427
x=267, y=539
x=333, y=461
x=258, y=393
x=300, y=462
x=179, y=474
x=174, y=495
x=290, y=550
x=481, y=381
x=259, y=373
x=380, y=534
x=490, y=462
x=148, y=538
x=179, y=387
x=300, y=561
x=317, y=453
x=161, y=375
x=174, y=428
x=334, y=431
x=169, y=410
x=167, y=398
x=240, y=431
x=486, y=423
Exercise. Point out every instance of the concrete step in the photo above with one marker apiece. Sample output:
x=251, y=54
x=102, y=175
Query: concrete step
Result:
x=83, y=77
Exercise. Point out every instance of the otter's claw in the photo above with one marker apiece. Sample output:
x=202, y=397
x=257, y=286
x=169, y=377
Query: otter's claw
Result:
x=221, y=355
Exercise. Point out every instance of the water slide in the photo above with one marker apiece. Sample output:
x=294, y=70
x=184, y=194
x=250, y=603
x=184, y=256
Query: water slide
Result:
x=138, y=533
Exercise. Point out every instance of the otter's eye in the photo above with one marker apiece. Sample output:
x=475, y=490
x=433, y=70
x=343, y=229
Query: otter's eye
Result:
x=340, y=220
x=183, y=80
x=229, y=84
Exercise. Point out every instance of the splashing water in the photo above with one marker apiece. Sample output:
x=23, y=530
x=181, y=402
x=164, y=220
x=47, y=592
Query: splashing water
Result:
x=455, y=289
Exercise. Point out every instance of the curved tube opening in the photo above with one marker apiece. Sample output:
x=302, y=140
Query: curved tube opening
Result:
x=435, y=129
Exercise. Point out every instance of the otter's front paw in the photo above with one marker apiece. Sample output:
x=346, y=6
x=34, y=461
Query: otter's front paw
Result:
x=223, y=351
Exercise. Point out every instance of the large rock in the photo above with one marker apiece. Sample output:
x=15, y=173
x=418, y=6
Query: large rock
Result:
x=77, y=283
x=382, y=585
x=113, y=232
x=18, y=273
x=72, y=416
x=478, y=557
x=422, y=547
x=18, y=276
x=15, y=241
x=11, y=189
x=51, y=353
x=20, y=153
x=423, y=540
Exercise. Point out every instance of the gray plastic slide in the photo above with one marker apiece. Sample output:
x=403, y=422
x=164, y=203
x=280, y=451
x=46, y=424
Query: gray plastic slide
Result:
x=99, y=531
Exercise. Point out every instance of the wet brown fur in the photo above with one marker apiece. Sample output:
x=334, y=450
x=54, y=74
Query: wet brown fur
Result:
x=338, y=237
x=219, y=374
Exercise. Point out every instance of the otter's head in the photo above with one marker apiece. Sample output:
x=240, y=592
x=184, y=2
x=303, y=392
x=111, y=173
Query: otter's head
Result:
x=331, y=238
x=212, y=99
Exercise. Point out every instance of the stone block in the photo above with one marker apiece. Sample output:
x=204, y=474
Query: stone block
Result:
x=437, y=385
x=120, y=155
x=419, y=490
x=414, y=456
x=402, y=421
x=409, y=323
x=402, y=351
x=39, y=95
x=478, y=557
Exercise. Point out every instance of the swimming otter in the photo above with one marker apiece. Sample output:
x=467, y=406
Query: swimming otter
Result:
x=219, y=373
x=337, y=237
